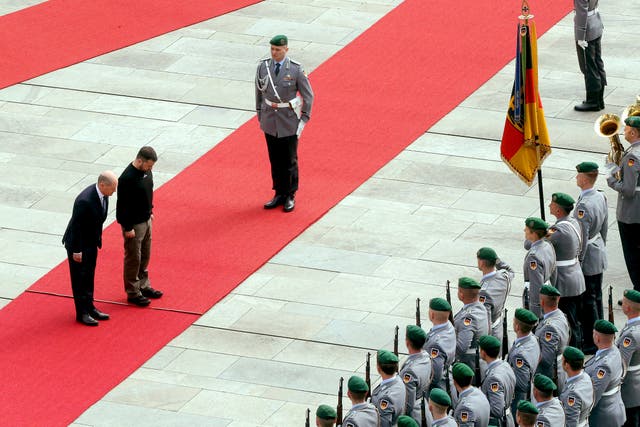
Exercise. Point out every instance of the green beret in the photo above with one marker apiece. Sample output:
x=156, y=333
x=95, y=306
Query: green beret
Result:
x=586, y=167
x=439, y=304
x=544, y=383
x=357, y=384
x=279, y=40
x=440, y=397
x=550, y=291
x=535, y=223
x=468, y=283
x=605, y=327
x=385, y=356
x=633, y=121
x=461, y=370
x=405, y=421
x=488, y=342
x=487, y=254
x=526, y=316
x=632, y=295
x=563, y=200
x=527, y=407
x=326, y=412
x=416, y=333
x=573, y=354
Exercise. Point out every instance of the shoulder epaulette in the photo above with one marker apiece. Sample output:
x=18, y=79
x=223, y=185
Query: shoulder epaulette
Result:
x=294, y=62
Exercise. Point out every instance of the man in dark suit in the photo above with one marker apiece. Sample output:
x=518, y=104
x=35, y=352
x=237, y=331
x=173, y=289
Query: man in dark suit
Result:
x=82, y=239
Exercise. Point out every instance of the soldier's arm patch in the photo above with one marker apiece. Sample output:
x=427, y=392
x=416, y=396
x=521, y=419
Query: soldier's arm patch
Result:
x=406, y=378
x=540, y=424
x=349, y=424
x=548, y=336
x=467, y=321
x=495, y=387
x=384, y=404
x=626, y=342
x=580, y=213
x=571, y=400
x=434, y=353
x=464, y=416
x=533, y=265
x=482, y=299
x=519, y=363
x=631, y=162
x=601, y=373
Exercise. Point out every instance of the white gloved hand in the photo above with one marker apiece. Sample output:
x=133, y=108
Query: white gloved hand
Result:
x=583, y=44
x=611, y=168
x=301, y=125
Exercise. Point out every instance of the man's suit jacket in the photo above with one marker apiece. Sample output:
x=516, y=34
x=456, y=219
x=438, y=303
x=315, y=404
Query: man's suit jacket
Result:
x=587, y=24
x=85, y=227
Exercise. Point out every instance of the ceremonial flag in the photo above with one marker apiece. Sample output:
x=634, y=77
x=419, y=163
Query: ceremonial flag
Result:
x=525, y=141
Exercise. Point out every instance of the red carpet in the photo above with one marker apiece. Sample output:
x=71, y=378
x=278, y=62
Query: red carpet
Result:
x=374, y=98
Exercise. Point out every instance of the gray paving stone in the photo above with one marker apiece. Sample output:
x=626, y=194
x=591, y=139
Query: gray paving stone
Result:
x=151, y=394
x=236, y=407
x=201, y=362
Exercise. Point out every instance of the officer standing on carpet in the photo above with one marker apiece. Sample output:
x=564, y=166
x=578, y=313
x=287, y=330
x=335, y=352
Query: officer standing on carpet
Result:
x=389, y=397
x=471, y=322
x=539, y=263
x=441, y=341
x=577, y=395
x=282, y=115
x=499, y=382
x=629, y=345
x=496, y=284
x=524, y=354
x=587, y=26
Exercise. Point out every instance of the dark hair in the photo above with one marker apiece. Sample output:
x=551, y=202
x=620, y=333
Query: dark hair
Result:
x=527, y=418
x=576, y=365
x=389, y=368
x=147, y=153
x=463, y=382
x=492, y=352
x=525, y=327
x=358, y=395
x=417, y=343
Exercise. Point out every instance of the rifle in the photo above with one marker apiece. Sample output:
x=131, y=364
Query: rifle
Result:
x=423, y=412
x=525, y=298
x=307, y=423
x=555, y=372
x=395, y=341
x=447, y=384
x=611, y=318
x=418, y=323
x=505, y=336
x=449, y=301
x=367, y=375
x=530, y=384
x=339, y=407
x=476, y=372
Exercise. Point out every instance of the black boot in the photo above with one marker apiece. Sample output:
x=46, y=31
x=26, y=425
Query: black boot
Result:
x=591, y=104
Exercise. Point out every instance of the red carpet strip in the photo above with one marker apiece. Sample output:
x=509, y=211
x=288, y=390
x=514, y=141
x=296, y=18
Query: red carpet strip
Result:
x=374, y=98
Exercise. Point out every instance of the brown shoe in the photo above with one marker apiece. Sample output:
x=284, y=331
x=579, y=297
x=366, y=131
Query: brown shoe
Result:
x=151, y=293
x=140, y=301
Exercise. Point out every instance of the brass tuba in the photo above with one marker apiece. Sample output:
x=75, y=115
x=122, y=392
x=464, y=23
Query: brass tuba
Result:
x=631, y=110
x=609, y=125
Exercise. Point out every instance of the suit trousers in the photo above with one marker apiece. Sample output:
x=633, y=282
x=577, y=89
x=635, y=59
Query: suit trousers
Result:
x=591, y=308
x=283, y=156
x=82, y=279
x=630, y=239
x=137, y=252
x=633, y=417
x=591, y=65
x=571, y=306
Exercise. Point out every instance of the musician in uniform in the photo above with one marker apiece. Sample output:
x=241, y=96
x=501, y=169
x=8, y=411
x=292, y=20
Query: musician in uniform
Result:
x=628, y=208
x=496, y=284
x=439, y=403
x=593, y=215
x=550, y=412
x=416, y=371
x=539, y=263
x=499, y=382
x=282, y=115
x=577, y=394
x=553, y=335
x=587, y=26
x=472, y=409
x=471, y=322
x=606, y=371
x=389, y=397
x=523, y=355
x=362, y=413
x=441, y=342
x=629, y=345
x=526, y=414
x=326, y=416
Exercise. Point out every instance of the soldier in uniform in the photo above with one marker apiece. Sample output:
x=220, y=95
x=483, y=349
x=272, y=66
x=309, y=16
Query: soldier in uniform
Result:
x=628, y=208
x=471, y=322
x=539, y=263
x=416, y=371
x=606, y=372
x=499, y=382
x=553, y=335
x=439, y=403
x=326, y=416
x=526, y=414
x=282, y=115
x=496, y=284
x=550, y=412
x=587, y=26
x=441, y=341
x=577, y=394
x=472, y=409
x=524, y=354
x=593, y=215
x=362, y=413
x=389, y=397
x=629, y=345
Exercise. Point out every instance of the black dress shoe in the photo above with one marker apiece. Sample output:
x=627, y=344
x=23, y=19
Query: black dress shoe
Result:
x=86, y=319
x=98, y=315
x=289, y=204
x=140, y=300
x=151, y=293
x=588, y=106
x=275, y=202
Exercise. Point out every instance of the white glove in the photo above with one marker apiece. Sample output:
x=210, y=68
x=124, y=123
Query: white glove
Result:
x=301, y=124
x=583, y=44
x=611, y=168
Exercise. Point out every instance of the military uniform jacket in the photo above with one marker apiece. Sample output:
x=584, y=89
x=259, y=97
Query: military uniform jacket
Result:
x=587, y=24
x=553, y=337
x=577, y=399
x=566, y=239
x=416, y=374
x=290, y=80
x=362, y=415
x=493, y=294
x=551, y=413
x=441, y=348
x=444, y=422
x=389, y=397
x=605, y=370
x=629, y=345
x=472, y=409
x=499, y=386
x=539, y=268
x=471, y=322
x=628, y=208
x=523, y=358
x=592, y=214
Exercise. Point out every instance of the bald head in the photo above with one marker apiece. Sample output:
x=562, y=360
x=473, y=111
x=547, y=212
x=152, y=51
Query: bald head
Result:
x=107, y=183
